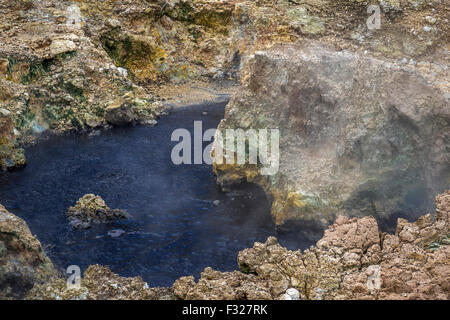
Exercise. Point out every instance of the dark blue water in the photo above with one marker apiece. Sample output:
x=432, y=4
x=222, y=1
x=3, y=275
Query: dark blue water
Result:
x=175, y=229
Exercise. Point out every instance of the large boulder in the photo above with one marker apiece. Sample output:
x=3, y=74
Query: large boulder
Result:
x=91, y=209
x=23, y=262
x=358, y=136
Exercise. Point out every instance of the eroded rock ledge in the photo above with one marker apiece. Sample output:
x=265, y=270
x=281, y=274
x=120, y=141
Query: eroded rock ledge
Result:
x=99, y=283
x=23, y=262
x=353, y=260
x=358, y=135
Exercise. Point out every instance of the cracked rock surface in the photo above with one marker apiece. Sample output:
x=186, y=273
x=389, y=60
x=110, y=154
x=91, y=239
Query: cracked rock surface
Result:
x=359, y=136
x=92, y=209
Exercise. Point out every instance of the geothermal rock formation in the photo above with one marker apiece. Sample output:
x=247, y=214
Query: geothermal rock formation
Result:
x=10, y=154
x=363, y=115
x=99, y=283
x=92, y=209
x=63, y=63
x=23, y=262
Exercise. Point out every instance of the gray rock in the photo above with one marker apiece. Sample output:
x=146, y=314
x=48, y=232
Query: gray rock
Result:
x=431, y=20
x=23, y=262
x=4, y=112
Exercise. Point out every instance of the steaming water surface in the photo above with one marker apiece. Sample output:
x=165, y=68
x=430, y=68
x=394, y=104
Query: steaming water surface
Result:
x=175, y=229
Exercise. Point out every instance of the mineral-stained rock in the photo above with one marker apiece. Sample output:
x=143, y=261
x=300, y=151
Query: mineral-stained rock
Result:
x=358, y=136
x=120, y=115
x=353, y=260
x=216, y=285
x=99, y=283
x=23, y=263
x=10, y=155
x=92, y=209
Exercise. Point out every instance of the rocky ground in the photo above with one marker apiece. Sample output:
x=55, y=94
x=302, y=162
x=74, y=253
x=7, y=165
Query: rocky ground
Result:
x=353, y=260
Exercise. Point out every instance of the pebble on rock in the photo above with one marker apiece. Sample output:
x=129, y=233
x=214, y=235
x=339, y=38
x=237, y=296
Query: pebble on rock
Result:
x=291, y=294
